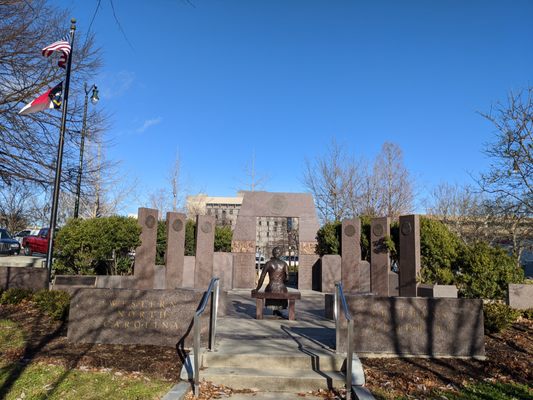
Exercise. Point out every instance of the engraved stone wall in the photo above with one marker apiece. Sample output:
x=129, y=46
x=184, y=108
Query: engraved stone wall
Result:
x=415, y=326
x=122, y=316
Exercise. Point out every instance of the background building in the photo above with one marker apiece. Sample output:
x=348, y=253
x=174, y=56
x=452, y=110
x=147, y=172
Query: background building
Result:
x=225, y=209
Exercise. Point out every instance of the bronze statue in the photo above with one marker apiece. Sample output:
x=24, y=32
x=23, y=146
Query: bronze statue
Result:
x=278, y=274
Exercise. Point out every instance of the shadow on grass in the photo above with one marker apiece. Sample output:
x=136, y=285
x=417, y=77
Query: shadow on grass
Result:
x=34, y=345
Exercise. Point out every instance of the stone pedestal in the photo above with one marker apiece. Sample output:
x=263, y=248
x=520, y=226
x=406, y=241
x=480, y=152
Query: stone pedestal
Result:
x=145, y=253
x=188, y=271
x=409, y=254
x=331, y=272
x=380, y=258
x=351, y=254
x=223, y=269
x=205, y=248
x=243, y=270
x=520, y=296
x=175, y=249
x=394, y=290
x=449, y=291
x=306, y=264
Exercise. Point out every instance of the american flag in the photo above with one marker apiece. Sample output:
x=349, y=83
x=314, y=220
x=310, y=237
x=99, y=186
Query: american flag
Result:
x=62, y=46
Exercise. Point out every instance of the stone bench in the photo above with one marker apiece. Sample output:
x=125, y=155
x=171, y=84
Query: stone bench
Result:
x=290, y=296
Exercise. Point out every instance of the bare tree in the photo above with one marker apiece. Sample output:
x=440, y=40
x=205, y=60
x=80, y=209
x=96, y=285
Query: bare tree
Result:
x=28, y=144
x=473, y=217
x=394, y=183
x=330, y=180
x=170, y=198
x=253, y=180
x=15, y=207
x=509, y=179
x=175, y=181
x=462, y=209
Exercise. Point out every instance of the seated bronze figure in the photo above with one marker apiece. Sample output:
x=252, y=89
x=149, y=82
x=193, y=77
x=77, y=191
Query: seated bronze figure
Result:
x=278, y=274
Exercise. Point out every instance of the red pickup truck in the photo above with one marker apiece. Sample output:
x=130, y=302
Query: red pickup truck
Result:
x=36, y=244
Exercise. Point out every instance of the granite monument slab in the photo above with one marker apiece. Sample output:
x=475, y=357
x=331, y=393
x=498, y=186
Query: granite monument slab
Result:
x=122, y=316
x=409, y=254
x=418, y=327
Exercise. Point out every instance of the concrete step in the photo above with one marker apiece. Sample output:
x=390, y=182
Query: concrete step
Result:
x=273, y=380
x=307, y=360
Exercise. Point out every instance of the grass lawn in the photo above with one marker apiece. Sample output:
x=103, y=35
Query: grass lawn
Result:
x=37, y=380
x=476, y=391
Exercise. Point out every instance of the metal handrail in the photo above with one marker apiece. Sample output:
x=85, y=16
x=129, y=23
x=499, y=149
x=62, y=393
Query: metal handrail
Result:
x=213, y=288
x=339, y=294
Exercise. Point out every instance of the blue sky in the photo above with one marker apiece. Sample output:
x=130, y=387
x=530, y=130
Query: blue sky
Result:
x=221, y=80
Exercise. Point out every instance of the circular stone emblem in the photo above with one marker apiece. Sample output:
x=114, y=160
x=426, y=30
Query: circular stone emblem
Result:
x=177, y=225
x=378, y=230
x=150, y=221
x=206, y=227
x=406, y=229
x=349, y=230
x=278, y=204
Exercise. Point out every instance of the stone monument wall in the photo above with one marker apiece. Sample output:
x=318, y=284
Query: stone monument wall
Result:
x=23, y=278
x=122, y=316
x=266, y=204
x=419, y=327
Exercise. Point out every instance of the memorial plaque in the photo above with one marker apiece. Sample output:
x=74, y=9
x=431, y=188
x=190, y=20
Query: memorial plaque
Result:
x=174, y=259
x=75, y=280
x=416, y=327
x=351, y=255
x=205, y=247
x=143, y=269
x=380, y=257
x=122, y=316
x=409, y=254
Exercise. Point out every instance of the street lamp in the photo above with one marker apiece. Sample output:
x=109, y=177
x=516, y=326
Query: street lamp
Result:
x=94, y=100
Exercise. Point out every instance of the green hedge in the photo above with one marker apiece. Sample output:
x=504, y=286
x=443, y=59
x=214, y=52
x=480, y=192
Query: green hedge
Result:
x=97, y=246
x=54, y=303
x=15, y=296
x=479, y=270
x=498, y=317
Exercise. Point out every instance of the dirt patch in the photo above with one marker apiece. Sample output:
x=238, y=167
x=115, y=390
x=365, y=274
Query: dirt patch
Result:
x=46, y=341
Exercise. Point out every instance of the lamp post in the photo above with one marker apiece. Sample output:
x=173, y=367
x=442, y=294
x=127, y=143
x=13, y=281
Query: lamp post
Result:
x=94, y=100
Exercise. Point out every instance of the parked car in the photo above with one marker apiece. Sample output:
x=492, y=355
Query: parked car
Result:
x=37, y=243
x=22, y=234
x=293, y=261
x=8, y=245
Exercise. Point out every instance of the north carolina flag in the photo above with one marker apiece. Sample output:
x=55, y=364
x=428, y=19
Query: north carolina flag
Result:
x=50, y=99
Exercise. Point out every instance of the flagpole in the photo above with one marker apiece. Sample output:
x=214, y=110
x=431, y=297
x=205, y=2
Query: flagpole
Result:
x=59, y=160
